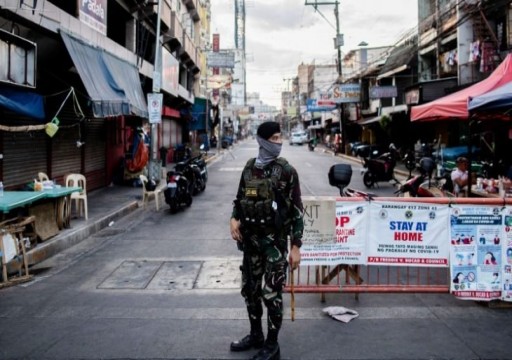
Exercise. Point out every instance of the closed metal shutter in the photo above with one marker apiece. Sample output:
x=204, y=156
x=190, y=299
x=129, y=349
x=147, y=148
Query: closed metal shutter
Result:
x=95, y=156
x=66, y=156
x=166, y=133
x=176, y=133
x=24, y=156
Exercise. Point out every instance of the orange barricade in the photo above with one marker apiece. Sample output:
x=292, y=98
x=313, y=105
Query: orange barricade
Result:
x=382, y=279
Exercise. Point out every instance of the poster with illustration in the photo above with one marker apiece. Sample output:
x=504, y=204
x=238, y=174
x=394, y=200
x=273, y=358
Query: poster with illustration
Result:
x=506, y=255
x=408, y=234
x=334, y=232
x=476, y=241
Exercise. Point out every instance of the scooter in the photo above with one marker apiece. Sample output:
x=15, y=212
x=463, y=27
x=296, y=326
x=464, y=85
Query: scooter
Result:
x=177, y=195
x=200, y=163
x=422, y=184
x=380, y=168
x=339, y=176
x=312, y=144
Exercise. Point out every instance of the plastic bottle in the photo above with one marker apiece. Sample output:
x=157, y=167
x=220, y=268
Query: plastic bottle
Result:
x=1, y=188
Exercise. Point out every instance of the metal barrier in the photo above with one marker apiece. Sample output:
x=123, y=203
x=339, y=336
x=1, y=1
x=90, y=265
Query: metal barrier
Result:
x=378, y=278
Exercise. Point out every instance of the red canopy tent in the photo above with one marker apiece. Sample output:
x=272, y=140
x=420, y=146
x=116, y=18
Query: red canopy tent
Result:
x=455, y=106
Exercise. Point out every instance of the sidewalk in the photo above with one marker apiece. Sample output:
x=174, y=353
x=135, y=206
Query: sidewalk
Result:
x=105, y=205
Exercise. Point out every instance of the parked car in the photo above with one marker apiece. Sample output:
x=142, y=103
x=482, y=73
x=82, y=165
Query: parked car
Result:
x=299, y=137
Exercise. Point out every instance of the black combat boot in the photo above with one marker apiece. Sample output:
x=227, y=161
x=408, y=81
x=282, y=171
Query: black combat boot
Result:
x=250, y=341
x=270, y=351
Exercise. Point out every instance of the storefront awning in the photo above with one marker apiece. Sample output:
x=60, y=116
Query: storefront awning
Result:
x=388, y=110
x=112, y=84
x=22, y=102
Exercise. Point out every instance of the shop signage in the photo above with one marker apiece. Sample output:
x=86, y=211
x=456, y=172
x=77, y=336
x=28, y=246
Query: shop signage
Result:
x=412, y=97
x=320, y=105
x=94, y=14
x=343, y=93
x=171, y=69
x=221, y=59
x=379, y=92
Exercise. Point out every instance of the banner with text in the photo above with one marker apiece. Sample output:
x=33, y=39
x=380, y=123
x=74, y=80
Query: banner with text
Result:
x=408, y=234
x=481, y=252
x=325, y=244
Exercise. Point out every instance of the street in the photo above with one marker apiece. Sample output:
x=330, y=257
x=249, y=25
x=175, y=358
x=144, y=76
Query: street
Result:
x=161, y=286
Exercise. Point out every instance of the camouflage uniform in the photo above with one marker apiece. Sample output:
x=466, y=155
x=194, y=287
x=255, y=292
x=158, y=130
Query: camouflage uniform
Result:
x=265, y=249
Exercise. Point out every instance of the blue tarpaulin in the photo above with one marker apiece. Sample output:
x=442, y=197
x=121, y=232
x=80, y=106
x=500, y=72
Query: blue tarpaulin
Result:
x=22, y=102
x=112, y=84
x=497, y=99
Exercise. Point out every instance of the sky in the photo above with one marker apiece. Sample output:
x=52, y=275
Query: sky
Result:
x=282, y=34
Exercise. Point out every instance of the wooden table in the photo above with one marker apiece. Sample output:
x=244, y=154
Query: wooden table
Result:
x=51, y=216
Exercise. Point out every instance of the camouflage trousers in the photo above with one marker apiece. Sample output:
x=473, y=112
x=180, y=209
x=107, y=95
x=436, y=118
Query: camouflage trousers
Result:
x=264, y=276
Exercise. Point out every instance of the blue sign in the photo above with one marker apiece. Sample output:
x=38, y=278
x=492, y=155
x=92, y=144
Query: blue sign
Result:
x=315, y=105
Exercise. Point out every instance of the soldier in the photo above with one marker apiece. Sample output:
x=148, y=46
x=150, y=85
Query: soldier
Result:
x=268, y=209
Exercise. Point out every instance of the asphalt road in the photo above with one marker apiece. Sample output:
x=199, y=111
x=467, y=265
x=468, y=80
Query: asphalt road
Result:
x=162, y=286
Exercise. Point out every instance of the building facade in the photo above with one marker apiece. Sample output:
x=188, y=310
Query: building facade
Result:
x=93, y=65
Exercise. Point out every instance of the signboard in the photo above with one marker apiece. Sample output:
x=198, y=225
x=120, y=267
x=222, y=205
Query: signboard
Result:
x=343, y=93
x=155, y=102
x=412, y=97
x=480, y=241
x=408, y=234
x=94, y=14
x=219, y=81
x=220, y=59
x=379, y=92
x=323, y=244
x=320, y=105
x=171, y=70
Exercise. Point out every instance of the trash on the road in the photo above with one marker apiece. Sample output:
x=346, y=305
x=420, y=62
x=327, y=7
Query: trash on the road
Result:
x=341, y=313
x=111, y=223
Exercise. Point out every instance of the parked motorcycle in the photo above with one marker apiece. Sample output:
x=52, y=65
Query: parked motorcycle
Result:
x=422, y=185
x=339, y=176
x=380, y=168
x=312, y=144
x=200, y=161
x=178, y=194
x=409, y=161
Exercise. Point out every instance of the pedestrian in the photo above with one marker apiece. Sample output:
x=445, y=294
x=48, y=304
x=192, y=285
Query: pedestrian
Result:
x=267, y=210
x=459, y=176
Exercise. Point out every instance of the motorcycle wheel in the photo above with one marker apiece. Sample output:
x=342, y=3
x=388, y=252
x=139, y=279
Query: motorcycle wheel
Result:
x=173, y=204
x=188, y=200
x=368, y=179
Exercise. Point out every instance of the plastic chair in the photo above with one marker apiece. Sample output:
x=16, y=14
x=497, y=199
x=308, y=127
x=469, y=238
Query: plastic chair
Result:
x=79, y=198
x=43, y=177
x=146, y=193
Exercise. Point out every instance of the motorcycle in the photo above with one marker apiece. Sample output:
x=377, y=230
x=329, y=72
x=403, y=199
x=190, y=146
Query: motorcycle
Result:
x=380, y=168
x=339, y=176
x=177, y=194
x=200, y=162
x=312, y=144
x=409, y=161
x=422, y=184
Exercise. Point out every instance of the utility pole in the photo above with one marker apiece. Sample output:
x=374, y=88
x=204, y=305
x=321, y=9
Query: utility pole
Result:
x=338, y=42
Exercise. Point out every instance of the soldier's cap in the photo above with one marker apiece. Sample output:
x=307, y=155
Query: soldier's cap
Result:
x=267, y=129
